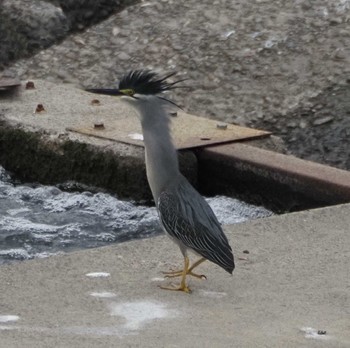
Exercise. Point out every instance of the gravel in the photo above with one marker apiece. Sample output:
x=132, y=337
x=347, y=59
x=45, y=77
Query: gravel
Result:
x=27, y=26
x=278, y=65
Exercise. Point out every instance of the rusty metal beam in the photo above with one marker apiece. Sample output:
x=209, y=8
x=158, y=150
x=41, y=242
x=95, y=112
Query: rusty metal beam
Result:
x=258, y=169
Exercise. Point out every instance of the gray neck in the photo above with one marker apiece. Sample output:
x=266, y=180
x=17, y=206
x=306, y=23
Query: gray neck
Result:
x=161, y=156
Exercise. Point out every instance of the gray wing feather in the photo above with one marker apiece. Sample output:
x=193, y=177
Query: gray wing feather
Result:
x=187, y=217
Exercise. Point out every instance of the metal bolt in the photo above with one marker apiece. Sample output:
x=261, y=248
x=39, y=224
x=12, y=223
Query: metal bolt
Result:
x=95, y=102
x=99, y=125
x=39, y=108
x=30, y=85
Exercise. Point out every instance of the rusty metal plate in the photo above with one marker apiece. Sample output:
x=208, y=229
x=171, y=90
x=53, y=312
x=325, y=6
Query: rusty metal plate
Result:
x=188, y=131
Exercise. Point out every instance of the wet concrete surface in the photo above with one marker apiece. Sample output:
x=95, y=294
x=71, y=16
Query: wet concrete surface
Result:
x=290, y=288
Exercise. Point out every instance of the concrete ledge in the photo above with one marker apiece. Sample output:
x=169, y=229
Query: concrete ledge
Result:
x=37, y=147
x=37, y=156
x=293, y=282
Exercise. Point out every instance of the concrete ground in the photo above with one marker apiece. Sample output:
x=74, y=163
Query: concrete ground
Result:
x=293, y=282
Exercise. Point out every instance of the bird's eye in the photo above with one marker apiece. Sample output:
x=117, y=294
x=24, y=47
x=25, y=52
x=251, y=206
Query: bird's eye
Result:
x=129, y=92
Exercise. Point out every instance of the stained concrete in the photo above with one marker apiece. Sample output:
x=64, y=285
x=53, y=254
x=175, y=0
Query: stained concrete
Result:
x=37, y=146
x=293, y=282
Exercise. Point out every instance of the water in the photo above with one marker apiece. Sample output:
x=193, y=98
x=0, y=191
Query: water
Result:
x=39, y=221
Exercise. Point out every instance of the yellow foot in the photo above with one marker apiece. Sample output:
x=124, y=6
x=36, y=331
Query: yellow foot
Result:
x=188, y=271
x=181, y=287
x=174, y=274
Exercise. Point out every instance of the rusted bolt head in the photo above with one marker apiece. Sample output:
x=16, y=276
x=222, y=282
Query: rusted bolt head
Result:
x=99, y=125
x=39, y=108
x=95, y=102
x=30, y=85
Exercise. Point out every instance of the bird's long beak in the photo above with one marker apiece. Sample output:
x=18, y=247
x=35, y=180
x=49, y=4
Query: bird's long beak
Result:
x=106, y=91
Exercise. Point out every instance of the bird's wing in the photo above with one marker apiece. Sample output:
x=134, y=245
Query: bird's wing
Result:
x=187, y=217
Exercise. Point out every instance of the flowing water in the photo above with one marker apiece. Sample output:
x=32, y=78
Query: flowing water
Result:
x=39, y=221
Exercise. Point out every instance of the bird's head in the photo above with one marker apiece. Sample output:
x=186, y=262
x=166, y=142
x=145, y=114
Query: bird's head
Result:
x=139, y=86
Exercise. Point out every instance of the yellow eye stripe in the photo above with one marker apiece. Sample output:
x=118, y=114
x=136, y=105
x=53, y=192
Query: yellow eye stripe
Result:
x=129, y=92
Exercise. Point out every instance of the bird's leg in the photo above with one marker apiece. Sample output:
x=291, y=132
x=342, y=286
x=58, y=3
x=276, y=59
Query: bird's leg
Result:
x=174, y=274
x=197, y=263
x=182, y=287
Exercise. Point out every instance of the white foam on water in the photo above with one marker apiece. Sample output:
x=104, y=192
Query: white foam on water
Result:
x=98, y=274
x=231, y=211
x=15, y=254
x=39, y=221
x=17, y=223
x=8, y=318
x=13, y=212
x=46, y=254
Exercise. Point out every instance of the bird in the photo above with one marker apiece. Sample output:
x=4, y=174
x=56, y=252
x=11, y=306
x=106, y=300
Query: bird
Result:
x=184, y=214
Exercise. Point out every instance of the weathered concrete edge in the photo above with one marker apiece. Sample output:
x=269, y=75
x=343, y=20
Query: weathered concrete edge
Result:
x=285, y=182
x=275, y=173
x=36, y=155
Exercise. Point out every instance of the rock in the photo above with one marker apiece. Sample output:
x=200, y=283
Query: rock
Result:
x=291, y=124
x=322, y=120
x=302, y=124
x=339, y=55
x=123, y=56
x=335, y=21
x=29, y=25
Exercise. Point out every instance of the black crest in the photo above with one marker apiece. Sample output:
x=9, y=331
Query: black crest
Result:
x=146, y=82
